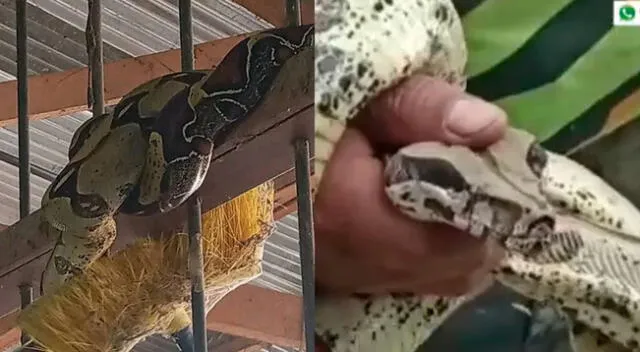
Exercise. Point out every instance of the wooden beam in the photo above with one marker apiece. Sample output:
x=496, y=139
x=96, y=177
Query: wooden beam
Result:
x=283, y=328
x=10, y=334
x=274, y=11
x=286, y=201
x=254, y=348
x=250, y=312
x=61, y=93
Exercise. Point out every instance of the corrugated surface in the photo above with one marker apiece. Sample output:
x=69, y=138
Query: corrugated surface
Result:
x=218, y=342
x=130, y=28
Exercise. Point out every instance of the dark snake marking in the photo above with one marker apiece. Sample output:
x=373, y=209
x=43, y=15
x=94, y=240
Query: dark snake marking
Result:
x=431, y=170
x=64, y=266
x=85, y=132
x=84, y=205
x=536, y=159
x=243, y=78
x=329, y=13
x=129, y=109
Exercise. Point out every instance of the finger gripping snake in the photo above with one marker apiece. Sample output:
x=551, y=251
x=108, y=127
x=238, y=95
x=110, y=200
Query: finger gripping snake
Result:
x=153, y=150
x=572, y=241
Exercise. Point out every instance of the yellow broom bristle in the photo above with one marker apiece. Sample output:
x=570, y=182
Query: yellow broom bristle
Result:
x=145, y=288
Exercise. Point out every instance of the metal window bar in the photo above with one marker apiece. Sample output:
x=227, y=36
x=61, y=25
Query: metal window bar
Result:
x=294, y=17
x=93, y=37
x=305, y=230
x=302, y=154
x=23, y=107
x=95, y=98
x=195, y=338
x=24, y=164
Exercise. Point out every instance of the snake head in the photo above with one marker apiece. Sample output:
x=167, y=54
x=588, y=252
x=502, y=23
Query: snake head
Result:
x=454, y=185
x=181, y=179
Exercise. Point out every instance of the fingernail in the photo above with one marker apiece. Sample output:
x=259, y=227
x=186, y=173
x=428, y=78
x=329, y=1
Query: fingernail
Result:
x=469, y=116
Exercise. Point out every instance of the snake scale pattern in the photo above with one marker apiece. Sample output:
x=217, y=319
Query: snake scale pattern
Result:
x=152, y=151
x=573, y=242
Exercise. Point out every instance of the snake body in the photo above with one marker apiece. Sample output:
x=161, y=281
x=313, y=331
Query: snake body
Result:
x=573, y=242
x=153, y=150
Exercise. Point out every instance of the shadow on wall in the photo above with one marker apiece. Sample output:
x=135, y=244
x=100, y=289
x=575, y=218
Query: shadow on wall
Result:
x=491, y=323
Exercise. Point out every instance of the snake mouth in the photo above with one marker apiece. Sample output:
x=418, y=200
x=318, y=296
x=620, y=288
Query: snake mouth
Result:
x=169, y=203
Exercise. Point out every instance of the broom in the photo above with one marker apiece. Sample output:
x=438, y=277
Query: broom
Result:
x=145, y=288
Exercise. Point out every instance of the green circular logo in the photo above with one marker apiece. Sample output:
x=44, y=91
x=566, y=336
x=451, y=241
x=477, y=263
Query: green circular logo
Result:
x=627, y=13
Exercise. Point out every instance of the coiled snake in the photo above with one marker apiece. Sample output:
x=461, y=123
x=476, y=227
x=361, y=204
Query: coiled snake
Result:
x=573, y=242
x=153, y=150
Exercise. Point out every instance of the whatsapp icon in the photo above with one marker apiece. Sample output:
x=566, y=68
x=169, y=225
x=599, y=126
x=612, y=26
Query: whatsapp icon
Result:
x=627, y=13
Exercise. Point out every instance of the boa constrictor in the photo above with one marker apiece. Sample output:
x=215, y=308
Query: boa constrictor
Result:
x=573, y=242
x=153, y=150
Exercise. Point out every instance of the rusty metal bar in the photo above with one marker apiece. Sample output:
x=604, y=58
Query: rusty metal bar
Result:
x=196, y=267
x=186, y=35
x=93, y=38
x=294, y=17
x=26, y=297
x=302, y=153
x=194, y=208
x=305, y=230
x=24, y=163
x=23, y=108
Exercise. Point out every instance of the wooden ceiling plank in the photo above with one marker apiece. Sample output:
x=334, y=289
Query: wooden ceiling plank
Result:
x=277, y=15
x=61, y=93
x=259, y=322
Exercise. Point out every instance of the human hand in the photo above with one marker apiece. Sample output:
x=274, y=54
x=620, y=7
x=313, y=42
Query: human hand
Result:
x=364, y=244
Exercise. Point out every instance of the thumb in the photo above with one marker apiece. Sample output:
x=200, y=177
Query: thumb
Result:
x=423, y=108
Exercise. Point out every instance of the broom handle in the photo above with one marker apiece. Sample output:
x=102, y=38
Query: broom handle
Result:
x=196, y=267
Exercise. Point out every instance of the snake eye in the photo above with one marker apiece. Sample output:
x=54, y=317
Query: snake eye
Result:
x=537, y=158
x=544, y=224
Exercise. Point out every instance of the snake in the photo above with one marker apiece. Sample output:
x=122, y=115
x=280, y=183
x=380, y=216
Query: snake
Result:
x=152, y=151
x=572, y=242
